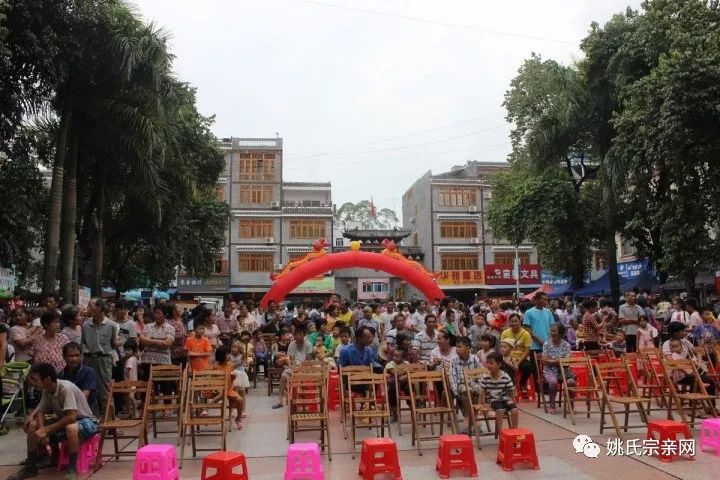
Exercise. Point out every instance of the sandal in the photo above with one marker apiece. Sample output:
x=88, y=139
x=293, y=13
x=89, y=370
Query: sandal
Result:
x=277, y=405
x=238, y=424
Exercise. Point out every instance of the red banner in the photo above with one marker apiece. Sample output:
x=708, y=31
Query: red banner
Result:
x=501, y=274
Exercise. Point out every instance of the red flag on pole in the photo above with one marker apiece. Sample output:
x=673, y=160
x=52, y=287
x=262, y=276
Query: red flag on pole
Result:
x=373, y=210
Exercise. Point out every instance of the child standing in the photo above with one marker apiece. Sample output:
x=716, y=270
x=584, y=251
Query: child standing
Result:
x=646, y=334
x=199, y=349
x=239, y=360
x=235, y=400
x=261, y=351
x=344, y=342
x=498, y=389
x=618, y=345
x=477, y=330
x=130, y=374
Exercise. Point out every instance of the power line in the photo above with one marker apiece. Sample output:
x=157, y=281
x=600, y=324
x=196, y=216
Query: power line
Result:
x=403, y=147
x=419, y=132
x=435, y=22
x=382, y=160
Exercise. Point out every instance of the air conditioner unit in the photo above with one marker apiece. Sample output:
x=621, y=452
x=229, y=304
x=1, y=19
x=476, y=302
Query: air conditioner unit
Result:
x=274, y=204
x=269, y=240
x=487, y=194
x=279, y=266
x=475, y=240
x=472, y=208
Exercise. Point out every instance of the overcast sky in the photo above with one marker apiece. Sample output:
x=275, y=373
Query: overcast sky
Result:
x=369, y=101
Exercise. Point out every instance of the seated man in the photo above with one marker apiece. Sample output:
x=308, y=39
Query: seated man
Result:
x=74, y=420
x=84, y=377
x=463, y=361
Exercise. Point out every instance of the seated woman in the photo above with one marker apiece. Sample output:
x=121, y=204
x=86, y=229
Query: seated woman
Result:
x=553, y=350
x=73, y=422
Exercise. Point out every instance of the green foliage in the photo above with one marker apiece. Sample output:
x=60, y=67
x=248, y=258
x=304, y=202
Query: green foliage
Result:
x=351, y=215
x=669, y=137
x=544, y=209
x=23, y=200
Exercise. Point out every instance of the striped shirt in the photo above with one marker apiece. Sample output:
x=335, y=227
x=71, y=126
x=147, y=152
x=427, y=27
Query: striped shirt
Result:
x=456, y=371
x=424, y=344
x=497, y=389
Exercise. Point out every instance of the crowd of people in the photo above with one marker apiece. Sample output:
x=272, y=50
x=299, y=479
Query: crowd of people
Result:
x=76, y=353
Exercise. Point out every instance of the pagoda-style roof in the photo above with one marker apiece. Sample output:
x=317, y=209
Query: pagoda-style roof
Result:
x=376, y=236
x=413, y=253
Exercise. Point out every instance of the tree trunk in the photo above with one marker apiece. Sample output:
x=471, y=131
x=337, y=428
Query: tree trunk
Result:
x=578, y=273
x=69, y=220
x=611, y=252
x=690, y=284
x=98, y=238
x=52, y=232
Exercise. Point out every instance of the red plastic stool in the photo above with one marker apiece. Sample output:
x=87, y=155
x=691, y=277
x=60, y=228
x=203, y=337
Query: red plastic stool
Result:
x=333, y=390
x=667, y=430
x=379, y=455
x=456, y=452
x=224, y=464
x=529, y=388
x=516, y=445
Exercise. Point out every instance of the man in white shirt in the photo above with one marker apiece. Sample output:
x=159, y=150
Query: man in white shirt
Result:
x=417, y=319
x=387, y=319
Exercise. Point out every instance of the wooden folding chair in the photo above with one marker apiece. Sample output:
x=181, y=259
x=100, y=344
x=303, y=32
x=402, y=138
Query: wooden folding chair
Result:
x=175, y=375
x=118, y=428
x=616, y=377
x=199, y=407
x=480, y=412
x=542, y=384
x=400, y=396
x=570, y=394
x=651, y=382
x=343, y=373
x=301, y=417
x=370, y=409
x=436, y=405
x=697, y=394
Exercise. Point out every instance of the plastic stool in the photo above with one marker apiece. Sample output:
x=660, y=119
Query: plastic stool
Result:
x=86, y=454
x=667, y=430
x=333, y=390
x=379, y=455
x=456, y=452
x=156, y=462
x=224, y=463
x=517, y=445
x=303, y=462
x=710, y=434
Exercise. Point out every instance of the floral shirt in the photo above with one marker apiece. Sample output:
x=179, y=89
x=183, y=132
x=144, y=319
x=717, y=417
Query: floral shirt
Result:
x=178, y=347
x=555, y=352
x=157, y=355
x=706, y=334
x=49, y=350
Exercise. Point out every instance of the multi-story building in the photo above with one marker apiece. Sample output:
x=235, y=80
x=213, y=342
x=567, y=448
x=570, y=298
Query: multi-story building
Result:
x=445, y=214
x=271, y=223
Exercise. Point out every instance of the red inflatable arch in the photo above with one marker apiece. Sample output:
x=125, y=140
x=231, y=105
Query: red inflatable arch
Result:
x=353, y=259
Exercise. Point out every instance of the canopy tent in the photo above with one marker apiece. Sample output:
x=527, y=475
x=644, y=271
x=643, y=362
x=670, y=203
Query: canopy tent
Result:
x=601, y=286
x=136, y=294
x=702, y=280
x=561, y=290
x=545, y=288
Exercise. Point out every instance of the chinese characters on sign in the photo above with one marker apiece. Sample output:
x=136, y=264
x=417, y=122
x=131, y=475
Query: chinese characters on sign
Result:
x=461, y=277
x=501, y=274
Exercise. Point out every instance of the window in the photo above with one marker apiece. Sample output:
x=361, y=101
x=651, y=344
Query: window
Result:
x=508, y=258
x=375, y=287
x=256, y=194
x=256, y=228
x=256, y=262
x=458, y=229
x=221, y=193
x=457, y=197
x=459, y=261
x=292, y=256
x=308, y=229
x=339, y=242
x=600, y=260
x=256, y=166
x=627, y=249
x=220, y=267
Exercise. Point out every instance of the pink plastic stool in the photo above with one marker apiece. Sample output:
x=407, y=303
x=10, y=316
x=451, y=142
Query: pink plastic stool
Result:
x=156, y=462
x=710, y=434
x=86, y=454
x=303, y=462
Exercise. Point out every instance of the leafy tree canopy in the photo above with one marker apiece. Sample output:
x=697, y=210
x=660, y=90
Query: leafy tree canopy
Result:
x=352, y=215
